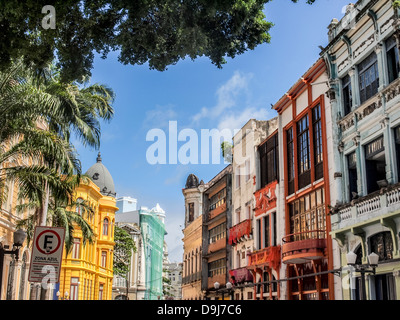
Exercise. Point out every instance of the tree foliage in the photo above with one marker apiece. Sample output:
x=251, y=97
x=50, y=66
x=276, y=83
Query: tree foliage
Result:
x=156, y=32
x=124, y=246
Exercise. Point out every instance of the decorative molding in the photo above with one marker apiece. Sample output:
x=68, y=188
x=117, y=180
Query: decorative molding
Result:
x=364, y=45
x=387, y=24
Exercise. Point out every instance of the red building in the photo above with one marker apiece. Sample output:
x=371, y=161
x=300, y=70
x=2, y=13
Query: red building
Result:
x=306, y=245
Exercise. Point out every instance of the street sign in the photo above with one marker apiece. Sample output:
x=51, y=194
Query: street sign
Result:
x=48, y=244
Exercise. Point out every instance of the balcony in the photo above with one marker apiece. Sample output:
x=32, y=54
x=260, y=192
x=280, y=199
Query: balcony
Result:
x=388, y=96
x=191, y=278
x=304, y=246
x=265, y=198
x=270, y=257
x=239, y=232
x=241, y=275
x=217, y=211
x=372, y=206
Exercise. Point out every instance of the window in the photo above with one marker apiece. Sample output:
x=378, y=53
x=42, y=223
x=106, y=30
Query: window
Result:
x=217, y=233
x=307, y=214
x=375, y=164
x=217, y=267
x=259, y=233
x=238, y=216
x=248, y=215
x=317, y=136
x=79, y=209
x=266, y=232
x=397, y=150
x=347, y=94
x=352, y=172
x=303, y=152
x=385, y=287
x=290, y=160
x=76, y=248
x=382, y=245
x=105, y=227
x=368, y=77
x=101, y=289
x=74, y=295
x=103, y=259
x=274, y=234
x=392, y=55
x=247, y=166
x=191, y=211
x=269, y=163
x=218, y=199
x=237, y=177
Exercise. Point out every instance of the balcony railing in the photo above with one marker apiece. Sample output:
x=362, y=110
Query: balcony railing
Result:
x=241, y=275
x=265, y=198
x=191, y=278
x=239, y=231
x=369, y=205
x=303, y=246
x=388, y=95
x=270, y=256
x=215, y=212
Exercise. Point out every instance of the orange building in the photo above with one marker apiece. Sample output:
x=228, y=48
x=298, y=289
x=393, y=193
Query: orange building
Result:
x=307, y=244
x=217, y=220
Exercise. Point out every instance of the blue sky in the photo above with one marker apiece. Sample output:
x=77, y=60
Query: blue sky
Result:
x=198, y=95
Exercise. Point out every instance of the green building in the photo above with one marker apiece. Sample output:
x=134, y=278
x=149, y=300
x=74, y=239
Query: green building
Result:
x=153, y=231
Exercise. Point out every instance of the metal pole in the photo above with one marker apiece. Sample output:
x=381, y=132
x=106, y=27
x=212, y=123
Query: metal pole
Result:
x=363, y=289
x=1, y=267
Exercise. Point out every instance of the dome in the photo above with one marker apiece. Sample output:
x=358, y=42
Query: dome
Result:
x=102, y=178
x=192, y=181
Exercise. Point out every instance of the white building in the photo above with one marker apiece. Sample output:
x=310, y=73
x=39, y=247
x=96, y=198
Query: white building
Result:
x=363, y=60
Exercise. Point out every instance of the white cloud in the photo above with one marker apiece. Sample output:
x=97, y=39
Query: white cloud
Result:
x=236, y=120
x=160, y=116
x=226, y=96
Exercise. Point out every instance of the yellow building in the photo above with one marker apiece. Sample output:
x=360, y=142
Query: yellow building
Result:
x=87, y=271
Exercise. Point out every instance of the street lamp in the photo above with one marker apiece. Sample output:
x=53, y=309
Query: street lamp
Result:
x=19, y=238
x=229, y=287
x=373, y=259
x=216, y=287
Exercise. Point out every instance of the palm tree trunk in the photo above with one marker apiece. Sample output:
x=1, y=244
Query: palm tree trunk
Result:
x=43, y=220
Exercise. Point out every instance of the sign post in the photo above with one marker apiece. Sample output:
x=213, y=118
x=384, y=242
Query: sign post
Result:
x=46, y=259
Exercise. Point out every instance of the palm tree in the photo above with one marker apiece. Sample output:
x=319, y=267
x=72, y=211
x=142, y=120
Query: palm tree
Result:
x=23, y=145
x=61, y=213
x=64, y=109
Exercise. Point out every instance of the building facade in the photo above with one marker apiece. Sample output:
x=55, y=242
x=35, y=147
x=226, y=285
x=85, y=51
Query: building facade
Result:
x=363, y=60
x=241, y=234
x=265, y=261
x=174, y=275
x=217, y=215
x=132, y=286
x=192, y=239
x=87, y=271
x=153, y=231
x=304, y=186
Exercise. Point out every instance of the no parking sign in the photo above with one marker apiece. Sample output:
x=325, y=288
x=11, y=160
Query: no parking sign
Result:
x=48, y=243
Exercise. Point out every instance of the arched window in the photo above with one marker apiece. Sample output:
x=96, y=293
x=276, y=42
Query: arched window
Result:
x=105, y=227
x=78, y=209
x=382, y=244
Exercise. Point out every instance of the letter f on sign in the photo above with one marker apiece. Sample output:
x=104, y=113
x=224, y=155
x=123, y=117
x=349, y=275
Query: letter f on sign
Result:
x=48, y=243
x=49, y=21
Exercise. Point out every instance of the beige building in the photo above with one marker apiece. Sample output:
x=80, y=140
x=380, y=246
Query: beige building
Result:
x=192, y=239
x=241, y=236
